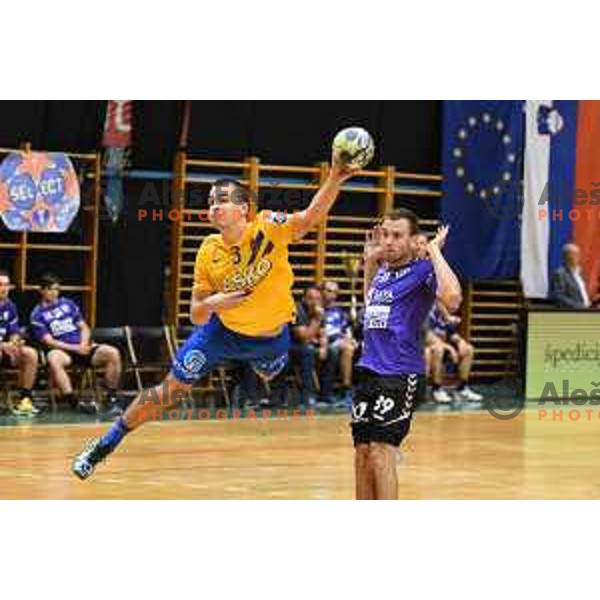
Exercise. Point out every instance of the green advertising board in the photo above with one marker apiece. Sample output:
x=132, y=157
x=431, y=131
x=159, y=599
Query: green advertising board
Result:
x=563, y=354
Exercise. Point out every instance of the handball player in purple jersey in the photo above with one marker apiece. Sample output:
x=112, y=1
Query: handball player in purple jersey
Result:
x=399, y=294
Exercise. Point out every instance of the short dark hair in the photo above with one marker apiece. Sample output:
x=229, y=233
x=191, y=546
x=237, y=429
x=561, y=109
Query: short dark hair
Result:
x=47, y=280
x=242, y=193
x=4, y=273
x=311, y=286
x=567, y=248
x=404, y=213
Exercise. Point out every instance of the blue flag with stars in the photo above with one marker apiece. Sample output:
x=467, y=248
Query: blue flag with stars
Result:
x=482, y=197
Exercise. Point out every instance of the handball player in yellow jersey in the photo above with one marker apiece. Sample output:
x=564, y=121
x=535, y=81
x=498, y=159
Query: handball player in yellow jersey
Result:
x=241, y=301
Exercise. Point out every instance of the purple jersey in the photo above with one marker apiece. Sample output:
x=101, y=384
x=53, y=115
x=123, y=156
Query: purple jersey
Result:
x=398, y=303
x=9, y=320
x=61, y=320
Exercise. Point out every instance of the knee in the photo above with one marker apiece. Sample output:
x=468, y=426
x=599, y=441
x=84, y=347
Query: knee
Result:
x=55, y=362
x=437, y=352
x=30, y=356
x=467, y=351
x=113, y=355
x=379, y=455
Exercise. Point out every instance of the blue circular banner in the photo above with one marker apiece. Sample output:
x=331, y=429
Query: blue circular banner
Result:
x=39, y=191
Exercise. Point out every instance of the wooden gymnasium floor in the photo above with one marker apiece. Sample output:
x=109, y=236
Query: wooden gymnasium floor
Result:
x=448, y=456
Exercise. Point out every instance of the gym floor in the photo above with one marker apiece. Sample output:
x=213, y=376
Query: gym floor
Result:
x=451, y=453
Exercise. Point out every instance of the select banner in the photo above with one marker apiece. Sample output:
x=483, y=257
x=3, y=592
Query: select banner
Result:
x=39, y=192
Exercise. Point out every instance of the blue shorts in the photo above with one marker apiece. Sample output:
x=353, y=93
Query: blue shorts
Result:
x=213, y=343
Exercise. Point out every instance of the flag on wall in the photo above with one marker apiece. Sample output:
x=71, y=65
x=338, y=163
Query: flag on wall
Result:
x=117, y=141
x=521, y=179
x=482, y=149
x=562, y=190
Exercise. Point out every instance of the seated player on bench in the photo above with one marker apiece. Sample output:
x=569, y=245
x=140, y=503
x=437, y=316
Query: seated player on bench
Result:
x=341, y=347
x=309, y=342
x=58, y=324
x=443, y=345
x=14, y=353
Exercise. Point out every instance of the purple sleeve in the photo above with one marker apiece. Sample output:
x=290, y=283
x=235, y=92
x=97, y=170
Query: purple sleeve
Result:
x=77, y=317
x=40, y=329
x=427, y=273
x=344, y=320
x=13, y=323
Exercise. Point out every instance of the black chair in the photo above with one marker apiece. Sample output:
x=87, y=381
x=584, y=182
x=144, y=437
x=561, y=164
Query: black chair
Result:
x=150, y=353
x=116, y=337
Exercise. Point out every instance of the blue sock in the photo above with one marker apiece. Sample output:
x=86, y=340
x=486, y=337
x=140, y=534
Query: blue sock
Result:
x=114, y=436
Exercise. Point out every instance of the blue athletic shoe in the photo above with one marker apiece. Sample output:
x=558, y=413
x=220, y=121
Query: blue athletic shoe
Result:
x=85, y=462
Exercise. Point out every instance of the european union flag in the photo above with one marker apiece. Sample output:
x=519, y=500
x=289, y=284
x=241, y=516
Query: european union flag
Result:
x=482, y=201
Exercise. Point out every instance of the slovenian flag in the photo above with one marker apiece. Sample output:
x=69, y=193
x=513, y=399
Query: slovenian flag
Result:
x=561, y=190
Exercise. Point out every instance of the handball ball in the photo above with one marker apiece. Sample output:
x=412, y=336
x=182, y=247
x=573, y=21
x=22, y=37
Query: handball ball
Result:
x=354, y=147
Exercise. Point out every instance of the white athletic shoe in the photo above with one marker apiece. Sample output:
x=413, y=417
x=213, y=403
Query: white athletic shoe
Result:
x=468, y=394
x=441, y=396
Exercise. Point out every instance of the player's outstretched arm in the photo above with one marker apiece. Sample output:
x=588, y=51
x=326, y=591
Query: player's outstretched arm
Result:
x=449, y=291
x=322, y=201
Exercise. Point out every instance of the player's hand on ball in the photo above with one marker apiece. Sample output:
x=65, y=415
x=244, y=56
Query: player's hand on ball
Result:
x=438, y=241
x=340, y=171
x=373, y=251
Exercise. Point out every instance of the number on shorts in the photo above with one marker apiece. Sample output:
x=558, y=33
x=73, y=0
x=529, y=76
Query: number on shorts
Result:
x=359, y=410
x=383, y=405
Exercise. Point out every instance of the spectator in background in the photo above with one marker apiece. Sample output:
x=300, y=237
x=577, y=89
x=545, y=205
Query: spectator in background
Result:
x=341, y=347
x=244, y=391
x=14, y=353
x=58, y=324
x=250, y=392
x=420, y=246
x=309, y=341
x=568, y=289
x=444, y=343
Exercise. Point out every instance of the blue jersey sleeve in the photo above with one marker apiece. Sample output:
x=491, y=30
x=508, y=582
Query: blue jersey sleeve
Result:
x=77, y=316
x=427, y=275
x=12, y=327
x=38, y=325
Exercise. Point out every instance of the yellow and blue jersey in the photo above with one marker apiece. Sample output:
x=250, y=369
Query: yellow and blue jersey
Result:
x=258, y=263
